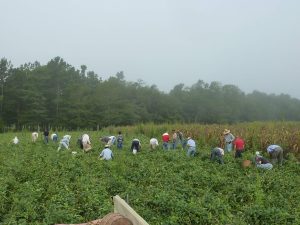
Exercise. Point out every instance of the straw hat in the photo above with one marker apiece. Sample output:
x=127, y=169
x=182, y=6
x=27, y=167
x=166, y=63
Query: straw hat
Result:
x=257, y=153
x=226, y=131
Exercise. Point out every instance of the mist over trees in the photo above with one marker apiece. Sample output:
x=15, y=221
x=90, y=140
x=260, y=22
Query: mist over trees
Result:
x=58, y=95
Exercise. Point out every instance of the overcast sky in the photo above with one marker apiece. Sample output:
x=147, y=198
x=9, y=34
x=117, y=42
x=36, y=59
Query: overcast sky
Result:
x=254, y=44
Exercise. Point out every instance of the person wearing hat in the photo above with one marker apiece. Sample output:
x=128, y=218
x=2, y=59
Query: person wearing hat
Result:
x=229, y=138
x=191, y=144
x=217, y=154
x=276, y=154
x=135, y=145
x=106, y=153
x=261, y=162
x=166, y=139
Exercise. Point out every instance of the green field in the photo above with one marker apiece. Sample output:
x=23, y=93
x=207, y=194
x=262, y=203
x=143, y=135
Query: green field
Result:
x=39, y=185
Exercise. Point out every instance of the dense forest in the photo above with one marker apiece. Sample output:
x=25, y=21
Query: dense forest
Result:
x=59, y=95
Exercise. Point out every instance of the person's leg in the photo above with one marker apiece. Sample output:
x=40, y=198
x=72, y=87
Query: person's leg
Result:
x=65, y=145
x=238, y=154
x=213, y=155
x=267, y=166
x=220, y=159
x=274, y=156
x=191, y=152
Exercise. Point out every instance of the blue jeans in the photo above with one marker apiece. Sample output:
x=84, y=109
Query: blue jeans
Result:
x=46, y=139
x=55, y=138
x=174, y=144
x=191, y=151
x=120, y=145
x=228, y=147
x=166, y=145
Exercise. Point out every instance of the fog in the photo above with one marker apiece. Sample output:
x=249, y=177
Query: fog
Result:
x=252, y=44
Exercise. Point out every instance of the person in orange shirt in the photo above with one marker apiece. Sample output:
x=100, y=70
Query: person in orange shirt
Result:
x=239, y=147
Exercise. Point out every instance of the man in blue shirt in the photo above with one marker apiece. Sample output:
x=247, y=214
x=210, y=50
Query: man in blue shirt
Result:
x=106, y=153
x=276, y=154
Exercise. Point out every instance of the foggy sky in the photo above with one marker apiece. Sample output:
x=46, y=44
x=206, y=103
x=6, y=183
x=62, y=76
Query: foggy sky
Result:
x=254, y=44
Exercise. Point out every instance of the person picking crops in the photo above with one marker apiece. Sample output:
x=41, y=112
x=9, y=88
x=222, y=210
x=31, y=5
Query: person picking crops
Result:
x=86, y=143
x=34, y=136
x=166, y=139
x=217, y=155
x=229, y=138
x=153, y=143
x=106, y=153
x=191, y=144
x=276, y=154
x=65, y=142
x=46, y=136
x=120, y=140
x=238, y=146
x=135, y=146
x=261, y=162
x=15, y=140
x=54, y=137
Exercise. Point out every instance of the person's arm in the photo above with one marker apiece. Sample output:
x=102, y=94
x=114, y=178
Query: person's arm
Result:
x=101, y=155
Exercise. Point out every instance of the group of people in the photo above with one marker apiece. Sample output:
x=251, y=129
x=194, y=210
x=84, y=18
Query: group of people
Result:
x=238, y=145
x=231, y=143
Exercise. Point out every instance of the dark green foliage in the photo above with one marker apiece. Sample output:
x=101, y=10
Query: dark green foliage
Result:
x=39, y=185
x=58, y=95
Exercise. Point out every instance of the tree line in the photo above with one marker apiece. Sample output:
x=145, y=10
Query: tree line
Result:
x=59, y=95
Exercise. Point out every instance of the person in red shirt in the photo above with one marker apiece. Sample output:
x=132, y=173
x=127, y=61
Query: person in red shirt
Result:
x=166, y=139
x=239, y=146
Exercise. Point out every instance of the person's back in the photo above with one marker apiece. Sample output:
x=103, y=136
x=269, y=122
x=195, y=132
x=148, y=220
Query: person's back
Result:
x=239, y=146
x=106, y=153
x=54, y=137
x=135, y=144
x=276, y=154
x=262, y=162
x=65, y=141
x=46, y=136
x=34, y=136
x=112, y=140
x=86, y=139
x=153, y=143
x=191, y=147
x=15, y=140
x=166, y=139
x=120, y=140
x=217, y=154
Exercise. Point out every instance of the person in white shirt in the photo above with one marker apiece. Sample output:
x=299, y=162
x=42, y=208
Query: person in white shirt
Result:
x=191, y=144
x=86, y=143
x=276, y=154
x=34, y=136
x=15, y=140
x=153, y=143
x=217, y=154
